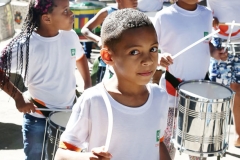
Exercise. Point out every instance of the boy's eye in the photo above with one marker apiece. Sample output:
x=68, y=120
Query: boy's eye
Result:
x=154, y=49
x=134, y=52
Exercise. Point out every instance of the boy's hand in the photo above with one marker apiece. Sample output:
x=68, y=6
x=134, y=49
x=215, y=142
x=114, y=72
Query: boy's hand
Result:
x=219, y=54
x=215, y=22
x=23, y=104
x=100, y=154
x=99, y=43
x=165, y=59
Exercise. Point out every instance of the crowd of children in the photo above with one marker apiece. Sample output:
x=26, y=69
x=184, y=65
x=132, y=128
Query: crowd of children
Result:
x=47, y=51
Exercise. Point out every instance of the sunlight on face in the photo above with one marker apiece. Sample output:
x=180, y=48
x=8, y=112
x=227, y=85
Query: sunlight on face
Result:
x=135, y=55
x=62, y=16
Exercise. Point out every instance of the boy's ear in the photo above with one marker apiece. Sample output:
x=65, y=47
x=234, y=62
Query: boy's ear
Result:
x=106, y=56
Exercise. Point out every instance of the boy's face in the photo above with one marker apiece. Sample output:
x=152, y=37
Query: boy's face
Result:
x=128, y=3
x=61, y=16
x=135, y=56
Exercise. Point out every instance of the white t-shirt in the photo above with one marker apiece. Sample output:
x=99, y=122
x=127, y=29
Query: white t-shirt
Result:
x=136, y=131
x=150, y=5
x=51, y=71
x=177, y=29
x=226, y=11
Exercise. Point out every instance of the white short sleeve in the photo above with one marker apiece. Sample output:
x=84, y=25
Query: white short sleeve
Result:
x=77, y=130
x=79, y=47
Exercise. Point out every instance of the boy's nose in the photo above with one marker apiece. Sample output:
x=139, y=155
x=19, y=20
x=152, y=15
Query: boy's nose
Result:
x=147, y=60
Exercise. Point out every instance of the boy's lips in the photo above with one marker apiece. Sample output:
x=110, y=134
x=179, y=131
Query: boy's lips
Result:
x=147, y=73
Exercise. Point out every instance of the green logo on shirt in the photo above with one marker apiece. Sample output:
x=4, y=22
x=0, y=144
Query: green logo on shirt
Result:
x=73, y=52
x=205, y=34
x=158, y=135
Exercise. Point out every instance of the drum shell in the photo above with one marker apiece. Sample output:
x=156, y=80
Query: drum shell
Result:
x=202, y=123
x=54, y=132
x=233, y=47
x=83, y=12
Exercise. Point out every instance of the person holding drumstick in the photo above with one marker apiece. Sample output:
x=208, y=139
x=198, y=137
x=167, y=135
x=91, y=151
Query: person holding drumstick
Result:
x=46, y=54
x=139, y=116
x=177, y=27
x=227, y=72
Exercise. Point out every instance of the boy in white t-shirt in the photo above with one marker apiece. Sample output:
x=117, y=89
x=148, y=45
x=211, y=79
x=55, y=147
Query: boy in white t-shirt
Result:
x=227, y=72
x=150, y=5
x=139, y=113
x=177, y=27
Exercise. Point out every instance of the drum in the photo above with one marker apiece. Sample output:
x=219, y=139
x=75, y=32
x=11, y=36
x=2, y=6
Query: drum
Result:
x=228, y=71
x=57, y=122
x=83, y=12
x=202, y=118
x=233, y=47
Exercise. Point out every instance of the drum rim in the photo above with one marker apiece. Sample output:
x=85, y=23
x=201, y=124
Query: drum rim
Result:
x=206, y=81
x=53, y=124
x=195, y=153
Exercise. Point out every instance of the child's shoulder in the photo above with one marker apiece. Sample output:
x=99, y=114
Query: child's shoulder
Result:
x=204, y=8
x=157, y=91
x=104, y=12
x=94, y=92
x=68, y=32
x=110, y=9
x=165, y=11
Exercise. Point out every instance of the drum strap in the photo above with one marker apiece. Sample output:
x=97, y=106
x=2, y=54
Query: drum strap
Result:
x=171, y=79
x=46, y=113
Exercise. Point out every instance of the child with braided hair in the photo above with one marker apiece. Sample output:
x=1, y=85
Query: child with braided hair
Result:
x=45, y=53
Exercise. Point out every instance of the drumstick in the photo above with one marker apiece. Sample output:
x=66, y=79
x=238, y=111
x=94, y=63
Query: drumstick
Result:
x=48, y=109
x=229, y=24
x=229, y=38
x=195, y=43
x=110, y=120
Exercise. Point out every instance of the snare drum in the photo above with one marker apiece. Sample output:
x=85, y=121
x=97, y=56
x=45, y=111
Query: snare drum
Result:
x=227, y=72
x=57, y=122
x=202, y=118
x=233, y=47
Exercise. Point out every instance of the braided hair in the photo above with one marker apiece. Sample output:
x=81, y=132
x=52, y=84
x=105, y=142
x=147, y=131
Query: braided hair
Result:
x=32, y=21
x=119, y=21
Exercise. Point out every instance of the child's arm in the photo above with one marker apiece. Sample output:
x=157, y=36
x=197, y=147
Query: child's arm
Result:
x=93, y=23
x=215, y=22
x=164, y=154
x=82, y=66
x=97, y=153
x=22, y=104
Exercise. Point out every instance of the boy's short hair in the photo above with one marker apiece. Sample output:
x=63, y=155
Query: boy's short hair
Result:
x=119, y=21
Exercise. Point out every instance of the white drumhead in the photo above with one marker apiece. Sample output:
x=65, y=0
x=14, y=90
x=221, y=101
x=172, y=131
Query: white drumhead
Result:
x=205, y=90
x=60, y=118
